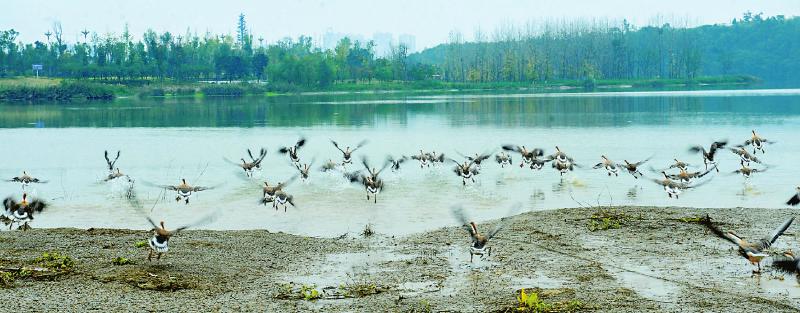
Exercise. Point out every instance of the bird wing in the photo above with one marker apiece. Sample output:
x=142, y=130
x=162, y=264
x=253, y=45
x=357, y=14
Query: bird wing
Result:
x=785, y=264
x=513, y=210
x=231, y=162
x=360, y=144
x=300, y=143
x=794, y=200
x=598, y=165
x=780, y=230
x=719, y=233
x=696, y=149
x=461, y=217
x=209, y=218
x=717, y=145
x=37, y=206
x=512, y=148
x=10, y=204
x=283, y=150
x=287, y=182
x=337, y=146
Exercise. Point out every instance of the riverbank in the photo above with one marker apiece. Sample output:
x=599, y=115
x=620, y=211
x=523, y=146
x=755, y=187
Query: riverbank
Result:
x=628, y=259
x=46, y=89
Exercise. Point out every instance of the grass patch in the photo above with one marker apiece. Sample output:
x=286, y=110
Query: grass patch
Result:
x=693, y=219
x=152, y=280
x=122, y=261
x=7, y=279
x=606, y=219
x=533, y=301
x=290, y=291
x=140, y=244
x=49, y=266
x=55, y=262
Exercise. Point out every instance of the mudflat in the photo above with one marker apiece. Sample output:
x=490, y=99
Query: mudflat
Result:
x=621, y=259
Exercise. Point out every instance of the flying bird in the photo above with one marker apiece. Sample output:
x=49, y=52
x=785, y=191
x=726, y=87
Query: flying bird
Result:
x=752, y=251
x=22, y=211
x=292, y=150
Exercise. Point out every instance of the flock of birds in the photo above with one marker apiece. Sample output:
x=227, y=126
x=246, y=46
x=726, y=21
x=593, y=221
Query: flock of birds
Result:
x=22, y=212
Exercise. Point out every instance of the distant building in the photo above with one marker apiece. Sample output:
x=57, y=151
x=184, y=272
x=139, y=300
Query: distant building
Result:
x=410, y=41
x=383, y=43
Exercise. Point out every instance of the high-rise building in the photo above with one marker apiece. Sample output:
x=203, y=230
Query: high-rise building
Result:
x=410, y=41
x=383, y=43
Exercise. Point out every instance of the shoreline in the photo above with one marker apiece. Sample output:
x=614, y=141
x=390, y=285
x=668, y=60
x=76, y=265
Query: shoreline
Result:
x=654, y=259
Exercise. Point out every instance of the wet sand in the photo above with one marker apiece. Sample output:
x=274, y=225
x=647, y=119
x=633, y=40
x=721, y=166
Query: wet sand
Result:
x=653, y=262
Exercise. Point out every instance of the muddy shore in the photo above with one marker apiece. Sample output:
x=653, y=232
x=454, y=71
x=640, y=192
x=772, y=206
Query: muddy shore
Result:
x=636, y=259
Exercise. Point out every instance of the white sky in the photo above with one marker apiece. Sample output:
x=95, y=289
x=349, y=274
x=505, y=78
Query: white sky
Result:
x=429, y=20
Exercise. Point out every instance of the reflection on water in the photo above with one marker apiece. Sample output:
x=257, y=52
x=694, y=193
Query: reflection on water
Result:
x=168, y=139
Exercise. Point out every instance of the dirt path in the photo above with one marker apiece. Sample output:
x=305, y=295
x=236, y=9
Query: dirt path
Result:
x=653, y=261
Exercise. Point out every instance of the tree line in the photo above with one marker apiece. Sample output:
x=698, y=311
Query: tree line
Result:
x=551, y=51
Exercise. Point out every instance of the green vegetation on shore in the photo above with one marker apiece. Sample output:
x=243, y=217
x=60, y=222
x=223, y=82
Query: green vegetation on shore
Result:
x=582, y=54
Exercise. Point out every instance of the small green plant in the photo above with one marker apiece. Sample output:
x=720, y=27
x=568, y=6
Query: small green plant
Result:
x=6, y=280
x=693, y=219
x=55, y=261
x=531, y=303
x=606, y=219
x=309, y=292
x=122, y=261
x=140, y=244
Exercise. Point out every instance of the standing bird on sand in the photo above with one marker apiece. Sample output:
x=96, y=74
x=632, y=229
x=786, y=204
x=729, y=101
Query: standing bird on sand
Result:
x=608, y=165
x=254, y=164
x=757, y=142
x=795, y=200
x=292, y=151
x=708, y=155
x=465, y=170
x=527, y=155
x=159, y=243
x=744, y=156
x=480, y=241
x=111, y=163
x=26, y=180
x=503, y=158
x=752, y=251
x=21, y=212
x=347, y=154
x=395, y=163
x=184, y=190
x=633, y=168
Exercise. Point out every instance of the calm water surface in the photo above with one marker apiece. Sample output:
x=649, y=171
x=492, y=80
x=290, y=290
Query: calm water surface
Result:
x=164, y=140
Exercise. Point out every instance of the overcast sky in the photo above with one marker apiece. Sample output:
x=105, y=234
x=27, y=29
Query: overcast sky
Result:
x=429, y=20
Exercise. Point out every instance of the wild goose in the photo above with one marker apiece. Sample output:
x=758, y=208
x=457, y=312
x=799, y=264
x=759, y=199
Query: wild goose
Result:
x=292, y=151
x=479, y=245
x=465, y=170
x=282, y=198
x=116, y=174
x=434, y=158
x=787, y=263
x=477, y=159
x=328, y=166
x=673, y=188
x=503, y=158
x=795, y=200
x=269, y=192
x=608, y=165
x=757, y=142
x=347, y=154
x=747, y=171
x=184, y=190
x=304, y=169
x=159, y=243
x=111, y=163
x=633, y=168
x=527, y=155
x=686, y=177
x=708, y=156
x=372, y=183
x=253, y=165
x=560, y=156
x=395, y=163
x=753, y=252
x=744, y=156
x=679, y=165
x=22, y=212
x=422, y=157
x=26, y=179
